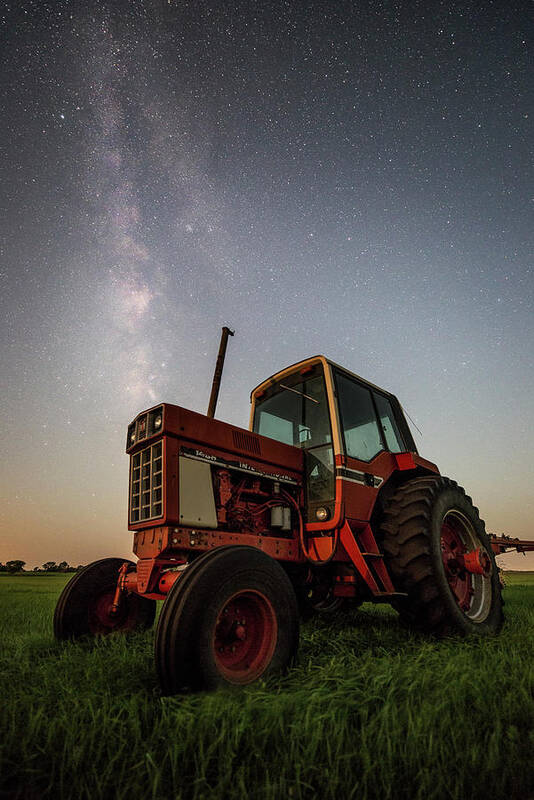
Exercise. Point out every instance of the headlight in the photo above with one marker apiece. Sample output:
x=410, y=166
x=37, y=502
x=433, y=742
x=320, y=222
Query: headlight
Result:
x=130, y=436
x=322, y=514
x=155, y=421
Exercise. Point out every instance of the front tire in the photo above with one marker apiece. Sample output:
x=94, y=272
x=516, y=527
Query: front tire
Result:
x=439, y=554
x=83, y=608
x=230, y=621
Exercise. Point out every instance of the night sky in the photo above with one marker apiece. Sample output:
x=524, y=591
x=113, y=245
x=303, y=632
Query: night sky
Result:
x=348, y=178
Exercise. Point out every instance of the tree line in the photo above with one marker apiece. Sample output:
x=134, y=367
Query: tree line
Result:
x=16, y=565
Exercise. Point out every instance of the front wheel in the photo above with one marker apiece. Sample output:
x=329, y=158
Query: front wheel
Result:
x=439, y=554
x=84, y=605
x=230, y=620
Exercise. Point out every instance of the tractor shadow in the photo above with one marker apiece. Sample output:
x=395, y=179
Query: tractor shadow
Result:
x=369, y=629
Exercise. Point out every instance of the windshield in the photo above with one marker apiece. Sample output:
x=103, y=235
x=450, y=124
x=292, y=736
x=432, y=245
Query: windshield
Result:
x=295, y=412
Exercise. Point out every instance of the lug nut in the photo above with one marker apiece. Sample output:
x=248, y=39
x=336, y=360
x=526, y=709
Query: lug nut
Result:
x=240, y=632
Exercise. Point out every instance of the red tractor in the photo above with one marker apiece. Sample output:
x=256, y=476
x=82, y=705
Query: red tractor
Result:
x=323, y=501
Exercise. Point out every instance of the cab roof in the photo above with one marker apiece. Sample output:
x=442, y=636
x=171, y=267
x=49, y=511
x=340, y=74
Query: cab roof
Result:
x=310, y=361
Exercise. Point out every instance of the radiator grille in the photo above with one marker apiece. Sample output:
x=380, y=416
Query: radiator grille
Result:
x=246, y=441
x=146, y=484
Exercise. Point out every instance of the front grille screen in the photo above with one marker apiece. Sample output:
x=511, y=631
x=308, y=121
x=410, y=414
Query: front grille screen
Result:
x=146, y=484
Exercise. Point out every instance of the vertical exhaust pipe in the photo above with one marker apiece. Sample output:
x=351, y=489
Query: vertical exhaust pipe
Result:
x=226, y=332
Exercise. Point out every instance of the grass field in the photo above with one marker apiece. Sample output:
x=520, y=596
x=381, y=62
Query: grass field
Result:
x=369, y=711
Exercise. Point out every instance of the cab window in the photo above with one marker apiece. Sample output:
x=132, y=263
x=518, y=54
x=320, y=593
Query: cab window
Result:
x=389, y=425
x=275, y=427
x=358, y=420
x=296, y=413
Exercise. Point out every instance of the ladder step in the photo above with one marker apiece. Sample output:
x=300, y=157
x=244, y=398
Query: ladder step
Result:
x=373, y=555
x=385, y=597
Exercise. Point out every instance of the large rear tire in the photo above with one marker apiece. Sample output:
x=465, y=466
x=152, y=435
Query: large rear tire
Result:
x=230, y=620
x=439, y=554
x=84, y=605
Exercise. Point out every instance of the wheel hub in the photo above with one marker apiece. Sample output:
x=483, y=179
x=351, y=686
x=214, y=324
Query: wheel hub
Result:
x=467, y=566
x=103, y=616
x=245, y=636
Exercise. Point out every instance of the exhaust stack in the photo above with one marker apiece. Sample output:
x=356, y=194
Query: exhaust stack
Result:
x=226, y=332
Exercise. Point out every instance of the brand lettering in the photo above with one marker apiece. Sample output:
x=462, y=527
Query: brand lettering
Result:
x=200, y=454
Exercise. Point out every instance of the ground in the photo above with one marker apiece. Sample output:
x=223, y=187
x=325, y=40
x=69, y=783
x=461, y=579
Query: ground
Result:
x=369, y=711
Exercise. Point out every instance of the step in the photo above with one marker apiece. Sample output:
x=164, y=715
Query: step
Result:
x=384, y=597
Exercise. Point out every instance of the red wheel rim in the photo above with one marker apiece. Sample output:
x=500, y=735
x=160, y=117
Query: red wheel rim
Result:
x=245, y=637
x=458, y=579
x=467, y=566
x=102, y=620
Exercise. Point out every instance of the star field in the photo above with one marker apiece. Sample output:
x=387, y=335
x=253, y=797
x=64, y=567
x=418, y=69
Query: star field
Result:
x=350, y=179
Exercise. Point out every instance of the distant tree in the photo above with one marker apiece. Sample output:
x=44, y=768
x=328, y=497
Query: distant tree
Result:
x=15, y=566
x=36, y=569
x=63, y=566
x=49, y=566
x=79, y=567
x=3, y=567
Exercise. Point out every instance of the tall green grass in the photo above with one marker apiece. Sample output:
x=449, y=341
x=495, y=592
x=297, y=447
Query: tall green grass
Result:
x=369, y=711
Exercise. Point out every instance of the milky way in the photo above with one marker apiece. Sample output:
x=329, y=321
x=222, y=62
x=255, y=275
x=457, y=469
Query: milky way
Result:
x=352, y=179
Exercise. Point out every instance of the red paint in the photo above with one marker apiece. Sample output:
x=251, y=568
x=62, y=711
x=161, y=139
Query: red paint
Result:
x=120, y=588
x=245, y=637
x=405, y=461
x=477, y=562
x=320, y=547
x=348, y=540
x=167, y=581
x=458, y=578
x=103, y=618
x=502, y=544
x=244, y=501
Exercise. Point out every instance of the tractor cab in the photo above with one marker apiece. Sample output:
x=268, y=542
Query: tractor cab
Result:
x=353, y=435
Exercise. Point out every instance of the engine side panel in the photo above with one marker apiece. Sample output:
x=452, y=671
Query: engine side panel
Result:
x=197, y=503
